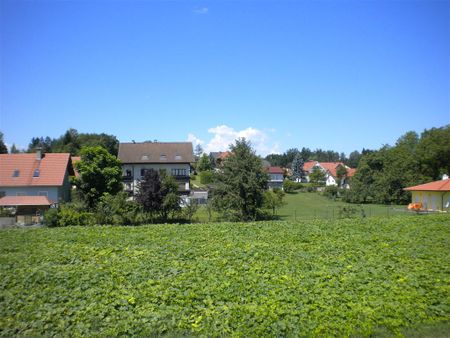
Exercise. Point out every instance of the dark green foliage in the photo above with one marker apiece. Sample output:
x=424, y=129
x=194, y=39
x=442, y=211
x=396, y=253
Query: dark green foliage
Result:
x=206, y=177
x=382, y=175
x=190, y=209
x=341, y=173
x=204, y=163
x=240, y=184
x=100, y=173
x=3, y=148
x=291, y=186
x=297, y=168
x=317, y=177
x=353, y=159
x=433, y=151
x=72, y=142
x=331, y=192
x=273, y=199
x=158, y=195
x=171, y=198
x=346, y=278
x=51, y=218
x=149, y=194
x=117, y=210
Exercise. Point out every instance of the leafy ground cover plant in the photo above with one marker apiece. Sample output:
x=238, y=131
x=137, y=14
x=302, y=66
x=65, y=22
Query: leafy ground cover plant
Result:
x=311, y=278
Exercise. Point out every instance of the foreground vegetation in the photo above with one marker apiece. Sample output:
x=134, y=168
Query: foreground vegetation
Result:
x=347, y=277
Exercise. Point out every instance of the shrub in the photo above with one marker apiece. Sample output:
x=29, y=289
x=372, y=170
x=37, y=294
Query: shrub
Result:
x=291, y=186
x=69, y=217
x=51, y=217
x=116, y=210
x=350, y=211
x=206, y=177
x=331, y=192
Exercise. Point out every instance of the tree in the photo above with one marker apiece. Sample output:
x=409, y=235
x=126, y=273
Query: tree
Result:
x=297, y=168
x=190, y=209
x=240, y=185
x=14, y=149
x=198, y=151
x=341, y=173
x=317, y=176
x=273, y=199
x=171, y=198
x=149, y=193
x=204, y=163
x=353, y=159
x=3, y=148
x=100, y=172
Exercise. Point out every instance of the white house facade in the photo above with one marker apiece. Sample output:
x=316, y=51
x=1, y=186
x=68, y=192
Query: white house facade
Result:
x=170, y=158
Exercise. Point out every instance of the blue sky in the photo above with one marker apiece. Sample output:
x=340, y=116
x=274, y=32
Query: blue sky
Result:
x=338, y=75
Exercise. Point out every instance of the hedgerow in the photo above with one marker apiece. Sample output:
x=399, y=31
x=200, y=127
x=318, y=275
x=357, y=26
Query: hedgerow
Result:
x=316, y=278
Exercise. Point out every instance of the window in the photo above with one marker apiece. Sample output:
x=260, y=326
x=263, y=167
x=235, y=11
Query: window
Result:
x=43, y=193
x=179, y=172
x=16, y=173
x=178, y=157
x=2, y=194
x=128, y=173
x=144, y=158
x=36, y=173
x=143, y=172
x=162, y=157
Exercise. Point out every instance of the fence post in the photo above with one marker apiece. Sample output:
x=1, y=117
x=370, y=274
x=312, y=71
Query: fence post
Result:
x=295, y=214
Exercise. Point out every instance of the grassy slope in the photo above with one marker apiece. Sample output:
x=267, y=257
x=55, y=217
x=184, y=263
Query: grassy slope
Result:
x=269, y=278
x=314, y=205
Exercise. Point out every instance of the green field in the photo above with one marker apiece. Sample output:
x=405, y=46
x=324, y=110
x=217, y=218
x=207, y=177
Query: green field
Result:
x=308, y=206
x=307, y=278
x=303, y=205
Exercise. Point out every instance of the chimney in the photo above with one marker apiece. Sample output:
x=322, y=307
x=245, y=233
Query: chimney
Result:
x=38, y=154
x=445, y=177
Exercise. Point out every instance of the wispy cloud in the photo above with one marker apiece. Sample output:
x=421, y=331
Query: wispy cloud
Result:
x=223, y=136
x=202, y=10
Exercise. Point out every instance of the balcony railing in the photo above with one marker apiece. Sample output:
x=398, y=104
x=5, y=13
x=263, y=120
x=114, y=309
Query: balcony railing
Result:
x=127, y=178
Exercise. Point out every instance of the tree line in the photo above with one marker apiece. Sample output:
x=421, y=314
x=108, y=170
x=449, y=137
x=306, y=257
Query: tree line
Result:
x=415, y=159
x=306, y=154
x=70, y=142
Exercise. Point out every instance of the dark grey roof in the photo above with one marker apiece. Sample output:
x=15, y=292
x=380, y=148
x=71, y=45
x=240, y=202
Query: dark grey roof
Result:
x=156, y=152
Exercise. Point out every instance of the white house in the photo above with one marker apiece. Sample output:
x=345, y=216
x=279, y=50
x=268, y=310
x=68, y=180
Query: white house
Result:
x=330, y=171
x=173, y=158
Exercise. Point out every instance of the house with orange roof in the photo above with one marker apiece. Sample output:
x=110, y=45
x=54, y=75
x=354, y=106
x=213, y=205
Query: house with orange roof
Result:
x=433, y=196
x=34, y=182
x=330, y=170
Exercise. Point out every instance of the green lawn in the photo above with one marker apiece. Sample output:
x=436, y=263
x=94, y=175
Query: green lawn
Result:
x=360, y=277
x=304, y=205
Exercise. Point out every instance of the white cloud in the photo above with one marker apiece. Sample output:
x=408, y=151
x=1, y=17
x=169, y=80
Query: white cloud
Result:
x=202, y=10
x=195, y=140
x=224, y=135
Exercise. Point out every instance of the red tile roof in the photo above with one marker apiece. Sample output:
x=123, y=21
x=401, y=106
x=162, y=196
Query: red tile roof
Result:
x=12, y=201
x=52, y=169
x=307, y=166
x=442, y=185
x=275, y=170
x=224, y=155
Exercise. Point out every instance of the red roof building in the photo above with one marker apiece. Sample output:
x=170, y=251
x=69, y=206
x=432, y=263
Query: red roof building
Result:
x=36, y=175
x=434, y=196
x=442, y=185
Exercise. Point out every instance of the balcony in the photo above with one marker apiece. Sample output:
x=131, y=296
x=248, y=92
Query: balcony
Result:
x=127, y=178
